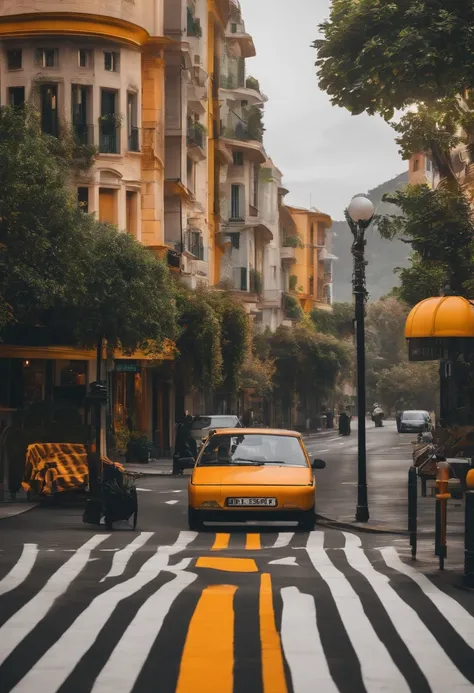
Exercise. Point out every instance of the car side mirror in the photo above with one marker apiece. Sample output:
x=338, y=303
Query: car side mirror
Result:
x=318, y=464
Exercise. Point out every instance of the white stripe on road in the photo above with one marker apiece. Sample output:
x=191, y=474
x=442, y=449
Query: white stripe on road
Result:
x=173, y=502
x=460, y=619
x=122, y=557
x=379, y=671
x=283, y=539
x=124, y=665
x=20, y=570
x=302, y=644
x=15, y=630
x=435, y=664
x=50, y=672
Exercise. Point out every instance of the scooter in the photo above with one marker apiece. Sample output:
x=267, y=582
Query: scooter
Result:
x=378, y=420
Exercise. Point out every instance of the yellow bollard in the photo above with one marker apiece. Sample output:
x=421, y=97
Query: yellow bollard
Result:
x=442, y=497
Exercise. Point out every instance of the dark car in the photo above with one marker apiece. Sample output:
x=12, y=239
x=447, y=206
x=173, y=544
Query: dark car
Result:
x=414, y=422
x=203, y=424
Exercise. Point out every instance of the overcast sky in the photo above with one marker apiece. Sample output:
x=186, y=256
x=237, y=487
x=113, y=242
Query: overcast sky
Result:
x=325, y=154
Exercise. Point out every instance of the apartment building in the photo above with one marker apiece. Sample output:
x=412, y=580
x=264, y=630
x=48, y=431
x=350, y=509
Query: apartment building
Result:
x=97, y=68
x=421, y=170
x=310, y=280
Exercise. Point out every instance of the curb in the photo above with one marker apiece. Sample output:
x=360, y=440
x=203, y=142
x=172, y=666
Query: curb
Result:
x=359, y=526
x=18, y=511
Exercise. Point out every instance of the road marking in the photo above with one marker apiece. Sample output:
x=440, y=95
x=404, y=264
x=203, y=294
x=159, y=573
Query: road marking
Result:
x=122, y=557
x=171, y=502
x=229, y=565
x=460, y=619
x=290, y=560
x=273, y=670
x=253, y=542
x=283, y=539
x=378, y=670
x=54, y=667
x=318, y=452
x=20, y=570
x=435, y=664
x=221, y=542
x=207, y=663
x=302, y=644
x=124, y=665
x=15, y=630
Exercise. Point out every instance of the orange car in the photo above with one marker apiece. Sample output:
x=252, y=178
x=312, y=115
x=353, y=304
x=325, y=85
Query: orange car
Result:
x=253, y=474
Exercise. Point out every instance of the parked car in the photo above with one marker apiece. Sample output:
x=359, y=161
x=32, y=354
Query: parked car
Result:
x=414, y=421
x=246, y=474
x=202, y=425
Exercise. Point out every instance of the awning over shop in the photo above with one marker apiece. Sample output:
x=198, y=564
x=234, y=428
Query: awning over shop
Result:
x=65, y=353
x=441, y=317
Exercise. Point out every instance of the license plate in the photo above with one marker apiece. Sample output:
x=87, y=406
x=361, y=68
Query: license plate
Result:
x=246, y=502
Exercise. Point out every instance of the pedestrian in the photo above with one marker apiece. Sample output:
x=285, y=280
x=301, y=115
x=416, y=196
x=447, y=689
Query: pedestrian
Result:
x=329, y=419
x=248, y=418
x=185, y=445
x=399, y=419
x=344, y=423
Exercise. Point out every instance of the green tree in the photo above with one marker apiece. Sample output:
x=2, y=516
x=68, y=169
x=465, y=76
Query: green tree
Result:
x=126, y=294
x=40, y=239
x=439, y=226
x=339, y=321
x=409, y=386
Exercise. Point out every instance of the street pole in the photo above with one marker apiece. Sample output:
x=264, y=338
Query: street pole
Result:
x=358, y=248
x=359, y=216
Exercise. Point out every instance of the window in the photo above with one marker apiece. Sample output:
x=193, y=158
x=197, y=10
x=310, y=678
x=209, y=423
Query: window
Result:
x=311, y=235
x=429, y=165
x=416, y=164
x=252, y=449
x=109, y=142
x=132, y=122
x=235, y=202
x=233, y=28
x=84, y=57
x=80, y=100
x=83, y=199
x=111, y=62
x=47, y=57
x=49, y=109
x=191, y=174
x=238, y=158
x=16, y=96
x=14, y=59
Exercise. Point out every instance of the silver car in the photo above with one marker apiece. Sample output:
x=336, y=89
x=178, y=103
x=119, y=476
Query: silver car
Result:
x=415, y=421
x=203, y=424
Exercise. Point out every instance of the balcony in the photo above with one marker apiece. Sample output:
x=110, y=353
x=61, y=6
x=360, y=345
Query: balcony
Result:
x=272, y=298
x=196, y=140
x=288, y=255
x=109, y=134
x=134, y=139
x=194, y=245
x=84, y=134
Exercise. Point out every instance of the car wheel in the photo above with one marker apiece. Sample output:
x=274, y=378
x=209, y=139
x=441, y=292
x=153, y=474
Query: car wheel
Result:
x=194, y=523
x=308, y=522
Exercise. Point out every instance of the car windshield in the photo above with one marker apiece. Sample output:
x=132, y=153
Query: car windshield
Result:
x=201, y=422
x=414, y=416
x=252, y=450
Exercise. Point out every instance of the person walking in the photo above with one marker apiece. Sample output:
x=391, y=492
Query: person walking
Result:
x=344, y=423
x=185, y=445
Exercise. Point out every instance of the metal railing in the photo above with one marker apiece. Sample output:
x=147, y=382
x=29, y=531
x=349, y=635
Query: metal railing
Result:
x=84, y=133
x=109, y=140
x=134, y=139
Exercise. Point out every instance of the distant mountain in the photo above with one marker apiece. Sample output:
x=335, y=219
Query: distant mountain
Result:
x=383, y=256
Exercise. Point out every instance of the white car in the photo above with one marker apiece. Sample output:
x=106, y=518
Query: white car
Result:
x=414, y=422
x=203, y=424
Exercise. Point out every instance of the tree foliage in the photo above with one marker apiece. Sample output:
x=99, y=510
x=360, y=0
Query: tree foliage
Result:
x=338, y=322
x=409, y=386
x=439, y=226
x=378, y=57
x=39, y=221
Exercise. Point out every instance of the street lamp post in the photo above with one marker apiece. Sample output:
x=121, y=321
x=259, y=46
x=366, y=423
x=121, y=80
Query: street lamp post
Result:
x=359, y=215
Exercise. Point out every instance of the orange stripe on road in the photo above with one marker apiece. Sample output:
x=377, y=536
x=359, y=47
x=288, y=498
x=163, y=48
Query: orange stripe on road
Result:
x=230, y=565
x=253, y=542
x=273, y=671
x=221, y=542
x=207, y=663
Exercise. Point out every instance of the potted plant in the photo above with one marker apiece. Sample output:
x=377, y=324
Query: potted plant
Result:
x=138, y=448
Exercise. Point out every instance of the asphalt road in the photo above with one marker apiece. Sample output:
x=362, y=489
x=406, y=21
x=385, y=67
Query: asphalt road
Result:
x=245, y=610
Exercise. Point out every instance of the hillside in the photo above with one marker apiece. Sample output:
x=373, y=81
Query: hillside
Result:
x=383, y=256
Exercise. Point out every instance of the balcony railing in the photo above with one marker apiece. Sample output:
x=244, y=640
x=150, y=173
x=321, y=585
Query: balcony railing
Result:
x=84, y=133
x=109, y=141
x=134, y=140
x=195, y=135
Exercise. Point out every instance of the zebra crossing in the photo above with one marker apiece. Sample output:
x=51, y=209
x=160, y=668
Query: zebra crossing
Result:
x=227, y=612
